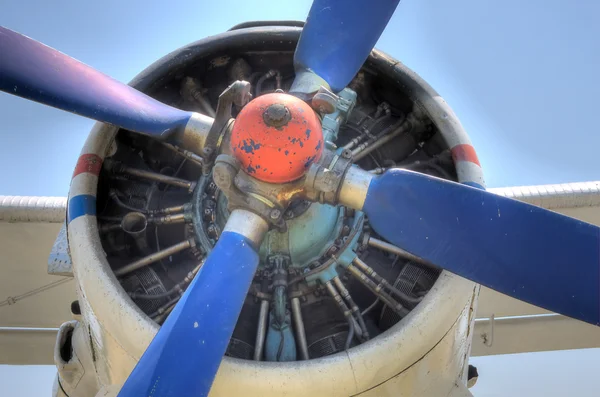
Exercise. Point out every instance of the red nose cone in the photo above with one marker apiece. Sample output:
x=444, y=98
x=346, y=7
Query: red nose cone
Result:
x=277, y=137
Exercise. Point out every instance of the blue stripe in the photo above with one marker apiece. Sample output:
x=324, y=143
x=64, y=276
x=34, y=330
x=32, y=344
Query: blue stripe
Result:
x=84, y=204
x=473, y=184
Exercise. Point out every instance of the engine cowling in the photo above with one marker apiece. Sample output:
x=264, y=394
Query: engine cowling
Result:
x=154, y=213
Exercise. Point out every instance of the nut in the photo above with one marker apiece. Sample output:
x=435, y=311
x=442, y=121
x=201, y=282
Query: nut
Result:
x=275, y=214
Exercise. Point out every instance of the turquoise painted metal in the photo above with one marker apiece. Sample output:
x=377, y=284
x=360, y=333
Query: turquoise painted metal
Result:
x=331, y=122
x=343, y=258
x=308, y=236
x=280, y=344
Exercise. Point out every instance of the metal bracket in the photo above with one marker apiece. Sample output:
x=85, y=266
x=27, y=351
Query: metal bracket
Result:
x=237, y=93
x=237, y=188
x=323, y=180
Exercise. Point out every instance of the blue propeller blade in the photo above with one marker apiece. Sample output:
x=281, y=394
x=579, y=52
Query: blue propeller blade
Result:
x=529, y=253
x=31, y=70
x=338, y=37
x=184, y=356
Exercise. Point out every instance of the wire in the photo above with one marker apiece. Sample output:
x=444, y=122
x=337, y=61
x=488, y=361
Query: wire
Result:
x=368, y=309
x=280, y=350
x=114, y=195
x=11, y=300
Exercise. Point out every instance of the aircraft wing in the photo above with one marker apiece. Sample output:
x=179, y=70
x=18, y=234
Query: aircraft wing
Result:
x=505, y=325
x=33, y=303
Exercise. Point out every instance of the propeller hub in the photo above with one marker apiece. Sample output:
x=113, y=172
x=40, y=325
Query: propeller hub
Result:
x=276, y=137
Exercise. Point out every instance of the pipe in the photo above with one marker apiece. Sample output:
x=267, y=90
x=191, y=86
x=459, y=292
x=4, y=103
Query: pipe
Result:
x=145, y=261
x=171, y=210
x=153, y=176
x=376, y=289
x=407, y=300
x=368, y=147
x=392, y=249
x=299, y=325
x=266, y=76
x=162, y=312
x=32, y=209
x=366, y=133
x=350, y=335
x=193, y=157
x=150, y=175
x=346, y=295
x=261, y=332
x=134, y=224
x=27, y=329
x=343, y=307
x=168, y=219
x=177, y=288
x=159, y=220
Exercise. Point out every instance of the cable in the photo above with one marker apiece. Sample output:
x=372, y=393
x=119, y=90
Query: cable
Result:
x=368, y=309
x=11, y=300
x=280, y=350
x=113, y=194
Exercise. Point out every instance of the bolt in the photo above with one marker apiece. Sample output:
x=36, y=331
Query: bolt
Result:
x=209, y=215
x=222, y=177
x=212, y=231
x=332, y=250
x=346, y=153
x=277, y=115
x=275, y=214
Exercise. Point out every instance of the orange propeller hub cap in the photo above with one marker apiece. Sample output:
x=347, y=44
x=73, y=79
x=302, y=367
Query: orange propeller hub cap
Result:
x=276, y=137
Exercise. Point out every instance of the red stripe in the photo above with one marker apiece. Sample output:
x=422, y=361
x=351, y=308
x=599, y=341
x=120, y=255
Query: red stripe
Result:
x=464, y=153
x=89, y=163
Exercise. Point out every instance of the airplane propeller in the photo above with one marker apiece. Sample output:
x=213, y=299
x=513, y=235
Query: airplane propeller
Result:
x=523, y=251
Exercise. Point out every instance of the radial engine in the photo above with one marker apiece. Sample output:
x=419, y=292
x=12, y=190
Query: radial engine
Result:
x=333, y=309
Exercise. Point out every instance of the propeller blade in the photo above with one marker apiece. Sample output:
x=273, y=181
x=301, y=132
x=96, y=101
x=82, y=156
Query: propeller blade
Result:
x=184, y=356
x=529, y=253
x=338, y=37
x=34, y=71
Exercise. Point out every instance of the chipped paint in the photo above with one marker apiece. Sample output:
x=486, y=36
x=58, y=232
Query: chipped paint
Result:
x=262, y=149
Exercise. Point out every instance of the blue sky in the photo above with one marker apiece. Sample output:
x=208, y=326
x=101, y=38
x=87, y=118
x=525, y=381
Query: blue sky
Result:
x=521, y=75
